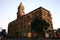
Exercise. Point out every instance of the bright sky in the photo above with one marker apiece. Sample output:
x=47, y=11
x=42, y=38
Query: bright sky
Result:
x=8, y=10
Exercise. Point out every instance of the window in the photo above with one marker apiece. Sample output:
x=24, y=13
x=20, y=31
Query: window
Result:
x=29, y=34
x=46, y=14
x=29, y=23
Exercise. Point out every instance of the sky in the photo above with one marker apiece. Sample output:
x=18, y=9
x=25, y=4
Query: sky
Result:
x=8, y=10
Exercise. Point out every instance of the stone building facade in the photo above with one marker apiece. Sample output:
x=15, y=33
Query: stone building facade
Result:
x=22, y=25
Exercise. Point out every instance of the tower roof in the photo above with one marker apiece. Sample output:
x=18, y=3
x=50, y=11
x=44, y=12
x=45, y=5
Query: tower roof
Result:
x=21, y=5
x=20, y=12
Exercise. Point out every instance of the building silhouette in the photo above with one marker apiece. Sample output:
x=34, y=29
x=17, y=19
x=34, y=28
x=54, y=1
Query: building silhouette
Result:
x=21, y=26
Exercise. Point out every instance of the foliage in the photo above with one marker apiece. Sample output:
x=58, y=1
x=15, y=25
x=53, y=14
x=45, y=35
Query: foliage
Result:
x=58, y=30
x=38, y=24
x=3, y=33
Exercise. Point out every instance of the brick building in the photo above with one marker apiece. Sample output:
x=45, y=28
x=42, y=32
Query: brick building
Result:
x=22, y=25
